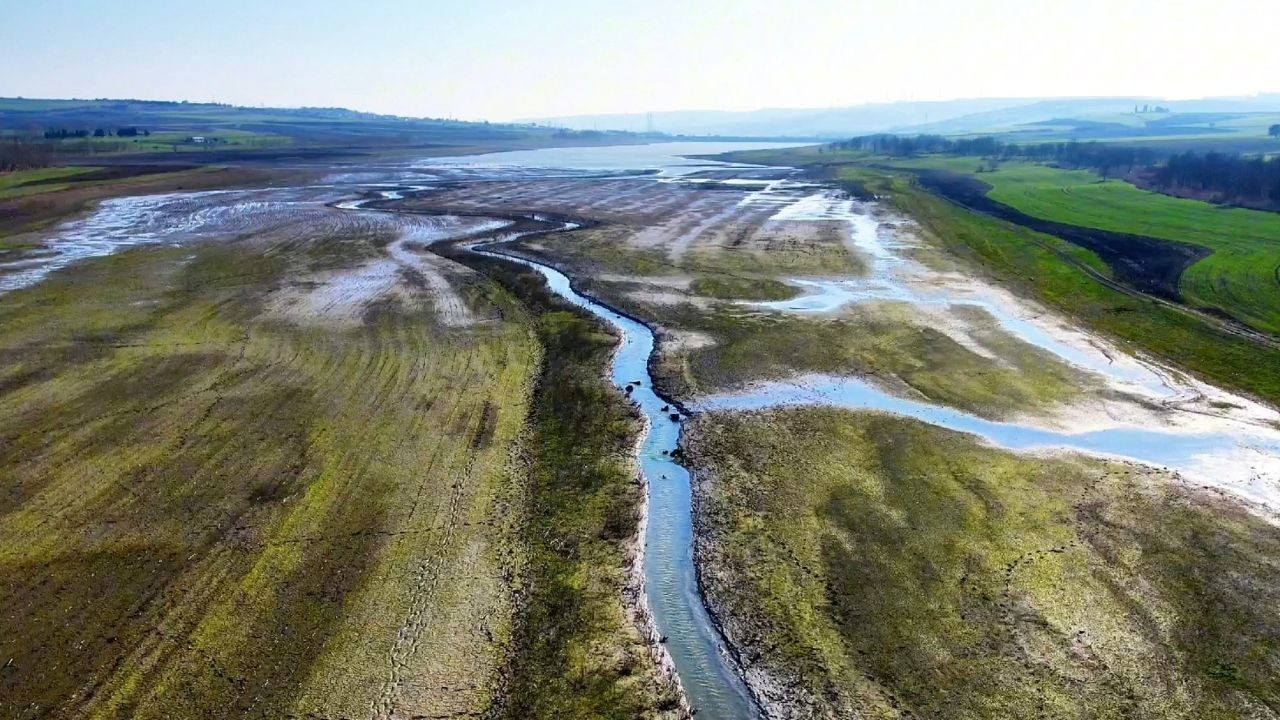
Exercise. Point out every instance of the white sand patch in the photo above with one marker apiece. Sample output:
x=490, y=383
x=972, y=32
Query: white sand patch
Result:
x=679, y=341
x=677, y=282
x=665, y=297
x=435, y=271
x=336, y=297
x=341, y=297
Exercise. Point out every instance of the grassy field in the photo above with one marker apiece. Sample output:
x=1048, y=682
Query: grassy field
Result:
x=1241, y=278
x=219, y=138
x=878, y=567
x=33, y=182
x=1034, y=264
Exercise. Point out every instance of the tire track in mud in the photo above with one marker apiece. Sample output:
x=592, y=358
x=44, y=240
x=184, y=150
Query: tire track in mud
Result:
x=339, y=370
x=235, y=528
x=231, y=375
x=426, y=576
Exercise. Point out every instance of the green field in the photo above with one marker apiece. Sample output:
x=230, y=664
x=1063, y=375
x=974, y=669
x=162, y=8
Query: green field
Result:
x=878, y=567
x=176, y=140
x=1034, y=264
x=1242, y=276
x=32, y=182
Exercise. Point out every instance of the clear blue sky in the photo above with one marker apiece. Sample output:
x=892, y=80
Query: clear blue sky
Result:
x=502, y=59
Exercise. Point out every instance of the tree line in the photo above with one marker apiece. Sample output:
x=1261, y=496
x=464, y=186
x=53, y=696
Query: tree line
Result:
x=64, y=133
x=1227, y=178
x=18, y=155
x=1075, y=154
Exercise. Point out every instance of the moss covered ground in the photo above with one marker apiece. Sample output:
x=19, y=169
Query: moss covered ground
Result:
x=874, y=566
x=884, y=340
x=211, y=510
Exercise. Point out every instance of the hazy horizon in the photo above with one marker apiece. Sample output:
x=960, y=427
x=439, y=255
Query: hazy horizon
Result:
x=504, y=61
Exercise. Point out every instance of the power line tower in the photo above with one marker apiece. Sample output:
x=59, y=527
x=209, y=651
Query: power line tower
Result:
x=648, y=123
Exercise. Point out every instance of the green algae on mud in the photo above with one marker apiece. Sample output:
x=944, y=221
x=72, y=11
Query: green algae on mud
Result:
x=213, y=512
x=741, y=344
x=873, y=565
x=883, y=340
x=742, y=288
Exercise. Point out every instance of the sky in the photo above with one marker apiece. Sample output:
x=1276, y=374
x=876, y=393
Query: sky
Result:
x=504, y=59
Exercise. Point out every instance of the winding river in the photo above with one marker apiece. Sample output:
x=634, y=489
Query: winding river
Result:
x=710, y=681
x=1233, y=450
x=706, y=671
x=704, y=668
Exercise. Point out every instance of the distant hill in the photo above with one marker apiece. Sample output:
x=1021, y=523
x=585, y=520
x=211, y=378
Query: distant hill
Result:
x=77, y=128
x=944, y=117
x=772, y=122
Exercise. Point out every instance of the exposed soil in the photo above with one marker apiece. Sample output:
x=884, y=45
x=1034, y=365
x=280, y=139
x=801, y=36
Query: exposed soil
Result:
x=658, y=229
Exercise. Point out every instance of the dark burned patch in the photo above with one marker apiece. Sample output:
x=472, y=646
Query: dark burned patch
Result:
x=117, y=172
x=483, y=436
x=15, y=381
x=385, y=308
x=69, y=615
x=1149, y=265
